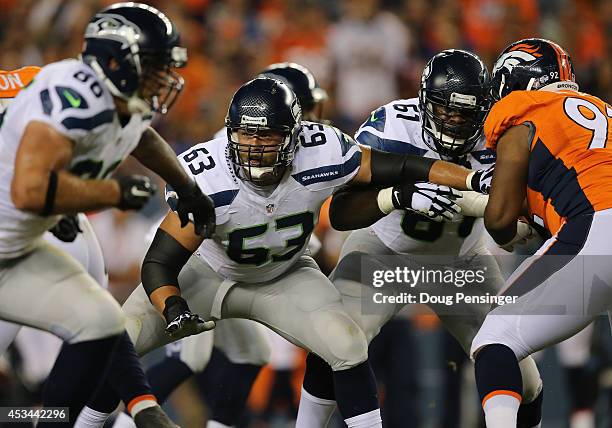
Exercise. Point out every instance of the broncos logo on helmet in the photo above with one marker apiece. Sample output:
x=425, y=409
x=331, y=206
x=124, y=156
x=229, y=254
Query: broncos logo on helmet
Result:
x=519, y=54
x=531, y=64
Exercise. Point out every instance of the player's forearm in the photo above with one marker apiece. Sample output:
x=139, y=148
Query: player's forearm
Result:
x=157, y=155
x=354, y=208
x=161, y=267
x=449, y=174
x=389, y=169
x=500, y=218
x=71, y=195
x=159, y=296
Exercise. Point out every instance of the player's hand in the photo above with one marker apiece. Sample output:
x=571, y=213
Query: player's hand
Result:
x=431, y=200
x=67, y=228
x=181, y=322
x=136, y=190
x=524, y=232
x=480, y=180
x=191, y=201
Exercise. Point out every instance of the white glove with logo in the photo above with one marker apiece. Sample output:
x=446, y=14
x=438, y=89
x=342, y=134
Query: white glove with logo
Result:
x=480, y=180
x=431, y=200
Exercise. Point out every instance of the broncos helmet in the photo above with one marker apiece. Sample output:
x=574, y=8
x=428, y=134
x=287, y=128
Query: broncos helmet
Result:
x=301, y=81
x=453, y=82
x=260, y=107
x=133, y=47
x=531, y=64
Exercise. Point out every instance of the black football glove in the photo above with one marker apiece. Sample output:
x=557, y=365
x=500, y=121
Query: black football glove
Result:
x=136, y=190
x=181, y=322
x=67, y=228
x=431, y=200
x=480, y=180
x=199, y=206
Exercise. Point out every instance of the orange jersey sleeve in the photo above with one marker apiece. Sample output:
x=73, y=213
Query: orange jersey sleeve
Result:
x=11, y=82
x=570, y=165
x=511, y=110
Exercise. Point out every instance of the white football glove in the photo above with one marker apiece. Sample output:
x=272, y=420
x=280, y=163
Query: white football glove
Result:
x=431, y=200
x=480, y=180
x=524, y=232
x=473, y=204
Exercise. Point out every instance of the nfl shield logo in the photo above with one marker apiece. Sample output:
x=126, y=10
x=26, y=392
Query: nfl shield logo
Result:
x=270, y=208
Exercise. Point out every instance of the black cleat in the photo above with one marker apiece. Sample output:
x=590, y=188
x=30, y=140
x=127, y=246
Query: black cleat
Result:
x=153, y=417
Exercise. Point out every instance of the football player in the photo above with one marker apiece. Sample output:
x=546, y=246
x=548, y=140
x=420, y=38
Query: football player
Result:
x=268, y=177
x=244, y=342
x=75, y=235
x=552, y=151
x=444, y=122
x=60, y=138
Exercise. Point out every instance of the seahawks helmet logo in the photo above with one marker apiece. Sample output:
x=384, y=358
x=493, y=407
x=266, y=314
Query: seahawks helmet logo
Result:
x=113, y=27
x=518, y=55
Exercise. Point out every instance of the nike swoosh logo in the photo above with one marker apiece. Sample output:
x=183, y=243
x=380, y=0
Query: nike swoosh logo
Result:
x=74, y=102
x=396, y=196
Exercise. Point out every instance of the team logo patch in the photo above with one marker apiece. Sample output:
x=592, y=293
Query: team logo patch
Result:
x=519, y=54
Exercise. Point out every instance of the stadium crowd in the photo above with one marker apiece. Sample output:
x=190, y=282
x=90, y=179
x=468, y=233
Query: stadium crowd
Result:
x=365, y=53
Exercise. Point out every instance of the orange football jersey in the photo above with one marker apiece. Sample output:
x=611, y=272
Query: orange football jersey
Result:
x=11, y=82
x=570, y=166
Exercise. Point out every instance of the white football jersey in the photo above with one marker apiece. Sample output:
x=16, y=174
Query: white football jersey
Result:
x=260, y=235
x=68, y=96
x=396, y=128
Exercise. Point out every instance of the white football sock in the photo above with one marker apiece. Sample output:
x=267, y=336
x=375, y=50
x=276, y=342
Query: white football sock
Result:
x=365, y=420
x=501, y=411
x=90, y=418
x=314, y=412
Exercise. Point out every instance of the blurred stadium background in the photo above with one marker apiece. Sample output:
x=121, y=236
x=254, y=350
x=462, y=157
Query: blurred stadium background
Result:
x=364, y=53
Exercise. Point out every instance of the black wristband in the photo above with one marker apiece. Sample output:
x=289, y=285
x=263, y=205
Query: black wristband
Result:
x=50, y=197
x=173, y=307
x=163, y=262
x=389, y=169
